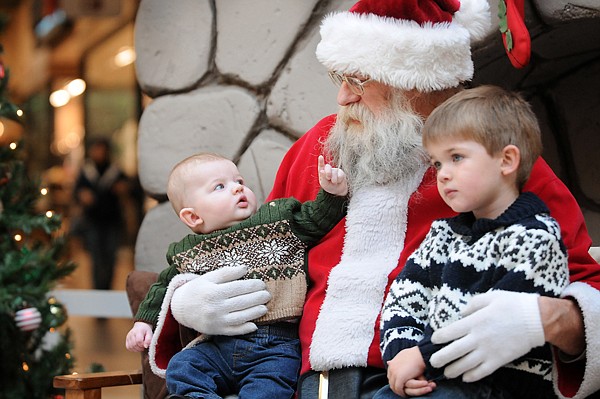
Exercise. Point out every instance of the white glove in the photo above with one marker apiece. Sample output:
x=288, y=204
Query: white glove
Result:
x=218, y=303
x=498, y=327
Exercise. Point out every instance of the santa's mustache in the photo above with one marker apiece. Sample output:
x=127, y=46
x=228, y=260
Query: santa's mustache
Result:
x=376, y=149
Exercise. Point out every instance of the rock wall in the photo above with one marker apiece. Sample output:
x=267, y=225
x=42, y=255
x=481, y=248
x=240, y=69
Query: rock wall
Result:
x=240, y=78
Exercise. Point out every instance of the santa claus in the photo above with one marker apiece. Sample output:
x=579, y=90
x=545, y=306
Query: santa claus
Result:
x=395, y=61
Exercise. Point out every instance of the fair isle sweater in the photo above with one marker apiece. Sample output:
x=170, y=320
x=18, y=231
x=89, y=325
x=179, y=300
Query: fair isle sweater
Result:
x=272, y=243
x=521, y=250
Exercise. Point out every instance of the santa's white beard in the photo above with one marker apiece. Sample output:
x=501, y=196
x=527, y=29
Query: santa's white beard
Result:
x=385, y=162
x=380, y=149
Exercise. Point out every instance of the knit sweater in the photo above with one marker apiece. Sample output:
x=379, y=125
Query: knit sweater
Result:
x=271, y=243
x=521, y=250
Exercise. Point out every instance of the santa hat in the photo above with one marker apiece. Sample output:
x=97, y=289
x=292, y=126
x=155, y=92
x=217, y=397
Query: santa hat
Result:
x=409, y=44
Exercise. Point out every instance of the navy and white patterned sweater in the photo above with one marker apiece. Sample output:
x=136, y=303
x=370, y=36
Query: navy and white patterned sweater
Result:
x=460, y=257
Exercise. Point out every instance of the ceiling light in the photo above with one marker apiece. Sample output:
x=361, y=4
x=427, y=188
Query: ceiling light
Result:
x=124, y=57
x=75, y=87
x=59, y=98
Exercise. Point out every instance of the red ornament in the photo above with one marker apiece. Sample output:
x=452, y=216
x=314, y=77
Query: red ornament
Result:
x=28, y=319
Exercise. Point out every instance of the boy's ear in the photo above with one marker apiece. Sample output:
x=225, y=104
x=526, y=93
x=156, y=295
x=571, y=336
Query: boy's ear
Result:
x=511, y=159
x=190, y=218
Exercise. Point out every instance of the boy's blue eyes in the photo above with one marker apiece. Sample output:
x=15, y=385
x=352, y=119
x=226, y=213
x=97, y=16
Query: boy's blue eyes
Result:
x=438, y=164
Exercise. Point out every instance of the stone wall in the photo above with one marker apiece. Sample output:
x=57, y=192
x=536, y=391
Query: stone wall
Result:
x=240, y=78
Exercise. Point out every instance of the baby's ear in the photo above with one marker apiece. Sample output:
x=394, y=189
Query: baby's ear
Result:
x=511, y=159
x=190, y=218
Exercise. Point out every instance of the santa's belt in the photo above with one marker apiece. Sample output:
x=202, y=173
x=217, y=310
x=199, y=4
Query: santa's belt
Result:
x=282, y=329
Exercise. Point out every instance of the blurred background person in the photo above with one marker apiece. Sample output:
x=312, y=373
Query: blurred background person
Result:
x=100, y=190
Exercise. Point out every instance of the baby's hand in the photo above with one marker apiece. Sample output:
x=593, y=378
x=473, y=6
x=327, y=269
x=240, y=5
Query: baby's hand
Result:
x=139, y=337
x=333, y=180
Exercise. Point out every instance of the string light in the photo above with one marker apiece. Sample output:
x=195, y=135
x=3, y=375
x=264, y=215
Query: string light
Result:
x=18, y=237
x=44, y=191
x=124, y=57
x=61, y=97
x=25, y=366
x=13, y=146
x=49, y=214
x=75, y=87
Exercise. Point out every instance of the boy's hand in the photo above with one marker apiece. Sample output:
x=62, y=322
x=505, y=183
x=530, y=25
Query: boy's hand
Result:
x=139, y=337
x=333, y=180
x=405, y=372
x=418, y=386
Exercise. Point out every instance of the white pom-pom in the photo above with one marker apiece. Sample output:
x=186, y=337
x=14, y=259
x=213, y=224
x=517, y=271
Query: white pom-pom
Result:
x=475, y=17
x=28, y=319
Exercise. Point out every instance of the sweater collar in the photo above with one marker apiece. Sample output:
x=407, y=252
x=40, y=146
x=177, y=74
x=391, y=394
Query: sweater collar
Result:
x=525, y=206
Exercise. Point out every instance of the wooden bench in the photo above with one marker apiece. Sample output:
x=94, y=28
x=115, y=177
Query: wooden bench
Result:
x=89, y=385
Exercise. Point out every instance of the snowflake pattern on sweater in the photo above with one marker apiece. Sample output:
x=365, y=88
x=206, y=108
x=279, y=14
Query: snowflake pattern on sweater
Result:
x=521, y=250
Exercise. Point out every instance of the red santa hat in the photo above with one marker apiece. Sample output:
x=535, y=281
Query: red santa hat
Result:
x=409, y=44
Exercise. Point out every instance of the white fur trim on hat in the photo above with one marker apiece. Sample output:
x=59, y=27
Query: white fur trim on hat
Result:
x=402, y=53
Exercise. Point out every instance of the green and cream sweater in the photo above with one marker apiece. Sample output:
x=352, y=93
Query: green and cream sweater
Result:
x=272, y=244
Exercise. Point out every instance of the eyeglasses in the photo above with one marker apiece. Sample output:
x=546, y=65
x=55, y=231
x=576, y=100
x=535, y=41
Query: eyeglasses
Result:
x=355, y=84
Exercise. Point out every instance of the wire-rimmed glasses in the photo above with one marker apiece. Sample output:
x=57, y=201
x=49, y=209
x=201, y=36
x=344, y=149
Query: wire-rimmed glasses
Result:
x=355, y=84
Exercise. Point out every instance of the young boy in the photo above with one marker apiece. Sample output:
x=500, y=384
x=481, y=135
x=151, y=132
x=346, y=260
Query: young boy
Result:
x=483, y=143
x=209, y=195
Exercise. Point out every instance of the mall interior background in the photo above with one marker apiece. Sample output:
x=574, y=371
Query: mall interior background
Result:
x=256, y=61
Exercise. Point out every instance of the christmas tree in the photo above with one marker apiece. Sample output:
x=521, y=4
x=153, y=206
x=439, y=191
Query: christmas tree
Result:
x=32, y=347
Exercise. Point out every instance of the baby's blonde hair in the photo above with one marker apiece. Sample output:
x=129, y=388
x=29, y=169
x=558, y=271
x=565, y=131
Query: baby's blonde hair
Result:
x=182, y=172
x=492, y=117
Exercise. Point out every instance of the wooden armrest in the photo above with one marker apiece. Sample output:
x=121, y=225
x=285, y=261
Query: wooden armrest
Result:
x=89, y=385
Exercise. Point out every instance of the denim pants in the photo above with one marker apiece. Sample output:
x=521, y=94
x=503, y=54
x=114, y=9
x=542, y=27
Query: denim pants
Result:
x=263, y=364
x=453, y=389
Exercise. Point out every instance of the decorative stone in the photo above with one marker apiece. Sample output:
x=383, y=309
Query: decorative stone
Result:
x=172, y=44
x=160, y=227
x=173, y=127
x=261, y=160
x=251, y=49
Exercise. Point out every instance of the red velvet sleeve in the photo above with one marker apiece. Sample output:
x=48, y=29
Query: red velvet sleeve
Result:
x=564, y=208
x=297, y=174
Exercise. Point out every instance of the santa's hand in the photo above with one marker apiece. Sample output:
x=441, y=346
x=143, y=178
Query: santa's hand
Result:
x=218, y=303
x=498, y=327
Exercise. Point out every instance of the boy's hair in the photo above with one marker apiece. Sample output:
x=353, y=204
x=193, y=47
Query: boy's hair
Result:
x=178, y=178
x=492, y=117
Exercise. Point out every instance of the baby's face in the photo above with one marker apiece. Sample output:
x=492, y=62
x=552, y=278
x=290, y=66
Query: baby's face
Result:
x=219, y=196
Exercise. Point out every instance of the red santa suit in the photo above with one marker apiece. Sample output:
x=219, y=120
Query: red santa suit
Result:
x=420, y=45
x=340, y=324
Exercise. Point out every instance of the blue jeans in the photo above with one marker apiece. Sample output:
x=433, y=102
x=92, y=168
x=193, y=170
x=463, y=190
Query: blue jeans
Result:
x=263, y=364
x=453, y=389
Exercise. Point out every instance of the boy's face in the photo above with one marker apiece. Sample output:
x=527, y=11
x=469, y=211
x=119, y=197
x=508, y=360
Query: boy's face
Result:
x=469, y=179
x=217, y=197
